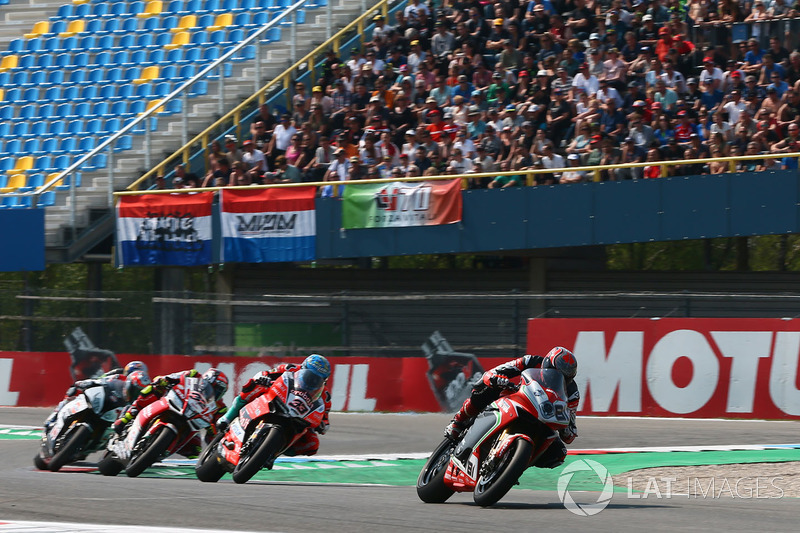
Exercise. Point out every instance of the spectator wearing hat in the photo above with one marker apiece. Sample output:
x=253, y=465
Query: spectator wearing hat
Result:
x=416, y=57
x=733, y=105
x=711, y=72
x=253, y=158
x=509, y=57
x=573, y=176
x=562, y=81
x=692, y=95
x=595, y=154
x=632, y=95
x=608, y=92
x=685, y=128
x=674, y=79
x=442, y=42
x=586, y=81
x=463, y=88
x=641, y=133
x=639, y=68
x=338, y=170
x=232, y=152
x=497, y=37
x=664, y=43
x=413, y=10
x=647, y=34
x=318, y=97
x=630, y=153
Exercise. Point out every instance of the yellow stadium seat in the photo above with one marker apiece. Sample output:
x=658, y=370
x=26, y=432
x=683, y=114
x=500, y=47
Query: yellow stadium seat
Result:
x=148, y=74
x=21, y=165
x=154, y=103
x=2, y=94
x=40, y=28
x=73, y=28
x=52, y=176
x=153, y=8
x=222, y=21
x=178, y=40
x=15, y=181
x=9, y=62
x=187, y=22
x=79, y=2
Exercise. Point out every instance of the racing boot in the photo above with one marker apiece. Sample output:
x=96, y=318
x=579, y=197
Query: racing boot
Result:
x=461, y=421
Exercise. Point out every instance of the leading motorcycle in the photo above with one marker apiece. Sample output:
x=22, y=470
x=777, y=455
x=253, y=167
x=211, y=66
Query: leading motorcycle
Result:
x=162, y=428
x=505, y=439
x=265, y=428
x=82, y=426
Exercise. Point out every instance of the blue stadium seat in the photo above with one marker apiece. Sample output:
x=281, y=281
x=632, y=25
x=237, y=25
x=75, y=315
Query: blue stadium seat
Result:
x=169, y=21
x=81, y=110
x=77, y=12
x=121, y=57
x=34, y=181
x=16, y=46
x=9, y=201
x=111, y=25
x=104, y=42
x=64, y=110
x=69, y=44
x=215, y=38
x=102, y=59
x=7, y=163
x=55, y=77
x=100, y=9
x=67, y=145
x=20, y=129
x=13, y=95
x=125, y=142
x=145, y=40
x=87, y=42
x=94, y=26
x=98, y=162
x=175, y=57
x=38, y=129
x=191, y=7
x=51, y=44
x=125, y=91
x=31, y=94
x=67, y=182
x=125, y=43
x=44, y=161
x=241, y=19
x=132, y=73
x=211, y=5
x=33, y=45
x=101, y=109
x=44, y=60
x=144, y=90
x=199, y=38
x=46, y=199
x=151, y=26
x=115, y=10
x=174, y=6
x=27, y=112
x=139, y=57
x=75, y=127
x=5, y=78
x=57, y=127
x=6, y=112
x=26, y=61
x=81, y=59
x=135, y=7
x=192, y=55
x=94, y=126
x=61, y=162
x=19, y=77
x=52, y=94
x=46, y=110
x=128, y=25
x=23, y=202
x=169, y=72
x=157, y=56
x=89, y=93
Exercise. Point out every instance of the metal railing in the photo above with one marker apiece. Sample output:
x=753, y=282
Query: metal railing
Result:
x=529, y=174
x=282, y=82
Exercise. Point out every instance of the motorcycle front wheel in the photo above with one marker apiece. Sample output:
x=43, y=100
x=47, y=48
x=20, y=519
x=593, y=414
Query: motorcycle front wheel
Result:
x=495, y=484
x=430, y=483
x=74, y=442
x=109, y=465
x=155, y=450
x=250, y=464
x=207, y=468
x=40, y=462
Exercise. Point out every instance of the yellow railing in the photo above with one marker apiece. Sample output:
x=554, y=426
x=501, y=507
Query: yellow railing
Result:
x=284, y=79
x=529, y=174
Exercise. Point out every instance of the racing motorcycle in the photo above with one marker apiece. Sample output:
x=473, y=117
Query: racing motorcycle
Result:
x=264, y=429
x=504, y=440
x=161, y=429
x=82, y=426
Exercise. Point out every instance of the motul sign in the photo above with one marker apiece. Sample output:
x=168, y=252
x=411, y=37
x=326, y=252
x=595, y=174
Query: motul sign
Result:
x=735, y=368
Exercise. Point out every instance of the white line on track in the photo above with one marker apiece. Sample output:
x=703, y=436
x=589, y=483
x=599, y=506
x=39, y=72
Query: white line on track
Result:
x=19, y=526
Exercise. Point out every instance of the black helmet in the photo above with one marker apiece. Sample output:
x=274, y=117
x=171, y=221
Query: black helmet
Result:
x=562, y=360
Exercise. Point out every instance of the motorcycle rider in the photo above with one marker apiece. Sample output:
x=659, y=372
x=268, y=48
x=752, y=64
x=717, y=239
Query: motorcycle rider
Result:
x=161, y=385
x=497, y=381
x=116, y=374
x=259, y=384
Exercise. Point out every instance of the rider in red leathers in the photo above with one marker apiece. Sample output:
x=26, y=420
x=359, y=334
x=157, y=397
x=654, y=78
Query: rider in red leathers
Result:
x=498, y=380
x=161, y=385
x=259, y=384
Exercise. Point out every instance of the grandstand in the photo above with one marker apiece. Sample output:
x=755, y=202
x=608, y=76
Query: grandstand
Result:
x=74, y=73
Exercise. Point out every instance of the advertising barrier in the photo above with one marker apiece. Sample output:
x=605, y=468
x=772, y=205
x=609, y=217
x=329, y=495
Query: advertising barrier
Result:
x=689, y=367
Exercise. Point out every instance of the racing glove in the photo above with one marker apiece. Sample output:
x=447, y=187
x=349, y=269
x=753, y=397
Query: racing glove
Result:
x=264, y=381
x=322, y=428
x=501, y=382
x=222, y=424
x=119, y=425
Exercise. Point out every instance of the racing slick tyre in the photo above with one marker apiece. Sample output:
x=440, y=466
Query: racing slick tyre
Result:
x=109, y=466
x=267, y=450
x=430, y=483
x=154, y=450
x=74, y=441
x=495, y=484
x=40, y=462
x=208, y=469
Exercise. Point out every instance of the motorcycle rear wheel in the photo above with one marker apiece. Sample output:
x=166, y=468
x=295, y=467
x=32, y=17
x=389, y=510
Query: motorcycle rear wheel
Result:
x=250, y=464
x=40, y=462
x=109, y=466
x=74, y=443
x=208, y=469
x=515, y=461
x=430, y=483
x=159, y=443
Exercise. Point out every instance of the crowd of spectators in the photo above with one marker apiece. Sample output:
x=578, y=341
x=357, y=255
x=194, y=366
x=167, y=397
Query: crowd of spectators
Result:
x=475, y=86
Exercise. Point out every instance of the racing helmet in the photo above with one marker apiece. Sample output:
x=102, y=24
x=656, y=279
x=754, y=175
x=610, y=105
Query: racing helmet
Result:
x=218, y=381
x=134, y=383
x=318, y=365
x=562, y=360
x=133, y=366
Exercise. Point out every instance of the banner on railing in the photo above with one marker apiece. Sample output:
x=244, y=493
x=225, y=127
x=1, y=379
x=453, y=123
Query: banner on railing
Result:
x=159, y=229
x=688, y=367
x=268, y=225
x=398, y=204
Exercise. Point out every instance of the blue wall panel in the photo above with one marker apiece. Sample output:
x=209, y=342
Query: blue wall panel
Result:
x=21, y=240
x=626, y=211
x=520, y=218
x=559, y=215
x=694, y=207
x=763, y=203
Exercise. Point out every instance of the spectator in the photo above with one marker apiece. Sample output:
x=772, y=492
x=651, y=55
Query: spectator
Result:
x=505, y=181
x=573, y=176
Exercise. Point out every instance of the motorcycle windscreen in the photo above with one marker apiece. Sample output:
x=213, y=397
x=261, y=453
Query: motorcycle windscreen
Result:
x=548, y=378
x=307, y=381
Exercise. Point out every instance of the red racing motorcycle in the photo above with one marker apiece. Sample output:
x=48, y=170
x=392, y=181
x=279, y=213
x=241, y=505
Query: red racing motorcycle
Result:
x=264, y=429
x=505, y=439
x=162, y=428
